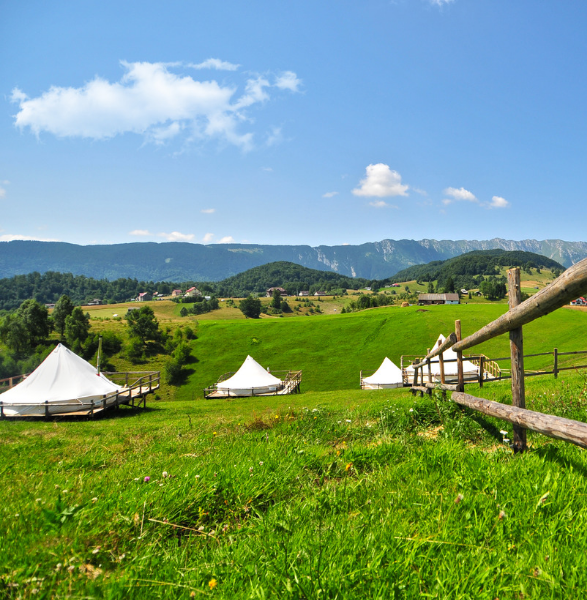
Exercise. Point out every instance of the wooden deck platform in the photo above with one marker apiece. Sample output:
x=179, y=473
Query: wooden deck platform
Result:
x=290, y=385
x=134, y=395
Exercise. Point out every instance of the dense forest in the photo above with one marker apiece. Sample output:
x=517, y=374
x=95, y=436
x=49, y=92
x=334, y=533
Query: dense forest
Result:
x=470, y=270
x=49, y=287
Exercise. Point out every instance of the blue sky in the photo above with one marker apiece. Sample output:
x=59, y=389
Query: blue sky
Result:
x=294, y=122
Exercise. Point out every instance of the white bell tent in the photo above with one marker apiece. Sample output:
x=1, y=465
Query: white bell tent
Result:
x=388, y=375
x=250, y=380
x=450, y=368
x=64, y=382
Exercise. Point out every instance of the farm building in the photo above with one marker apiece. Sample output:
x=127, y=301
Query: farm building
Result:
x=279, y=289
x=192, y=292
x=144, y=297
x=176, y=293
x=304, y=293
x=426, y=299
x=579, y=302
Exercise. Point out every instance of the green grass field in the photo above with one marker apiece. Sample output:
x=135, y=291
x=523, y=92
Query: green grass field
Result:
x=332, y=493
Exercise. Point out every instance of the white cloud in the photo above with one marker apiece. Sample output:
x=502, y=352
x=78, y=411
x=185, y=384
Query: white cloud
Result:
x=13, y=237
x=378, y=204
x=288, y=81
x=176, y=236
x=329, y=194
x=150, y=100
x=208, y=211
x=2, y=192
x=419, y=191
x=440, y=2
x=140, y=232
x=227, y=240
x=459, y=194
x=268, y=169
x=215, y=63
x=498, y=202
x=381, y=182
x=208, y=238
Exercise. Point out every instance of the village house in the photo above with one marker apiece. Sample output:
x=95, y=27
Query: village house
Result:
x=304, y=293
x=144, y=297
x=281, y=291
x=192, y=292
x=176, y=293
x=427, y=299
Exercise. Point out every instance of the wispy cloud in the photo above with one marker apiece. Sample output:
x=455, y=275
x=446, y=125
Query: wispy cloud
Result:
x=288, y=81
x=152, y=100
x=176, y=236
x=140, y=232
x=275, y=137
x=381, y=182
x=2, y=189
x=208, y=238
x=440, y=2
x=228, y=239
x=329, y=194
x=215, y=63
x=461, y=194
x=208, y=211
x=268, y=169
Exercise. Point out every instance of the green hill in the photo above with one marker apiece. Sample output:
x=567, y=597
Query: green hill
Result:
x=331, y=350
x=469, y=270
x=288, y=275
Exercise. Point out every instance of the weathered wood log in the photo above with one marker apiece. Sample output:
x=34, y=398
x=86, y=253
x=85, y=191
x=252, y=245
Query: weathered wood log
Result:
x=517, y=353
x=449, y=387
x=570, y=285
x=448, y=342
x=555, y=427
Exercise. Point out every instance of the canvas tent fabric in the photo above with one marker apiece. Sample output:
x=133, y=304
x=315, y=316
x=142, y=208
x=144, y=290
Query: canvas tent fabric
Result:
x=250, y=379
x=388, y=375
x=63, y=379
x=450, y=368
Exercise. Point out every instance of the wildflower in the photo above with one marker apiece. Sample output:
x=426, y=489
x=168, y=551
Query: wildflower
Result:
x=212, y=583
x=147, y=479
x=506, y=440
x=250, y=469
x=56, y=486
x=58, y=566
x=94, y=500
x=459, y=499
x=165, y=474
x=214, y=433
x=411, y=410
x=136, y=478
x=197, y=477
x=501, y=515
x=215, y=474
x=71, y=568
x=349, y=465
x=39, y=499
x=96, y=550
x=503, y=432
x=348, y=420
x=260, y=462
x=201, y=528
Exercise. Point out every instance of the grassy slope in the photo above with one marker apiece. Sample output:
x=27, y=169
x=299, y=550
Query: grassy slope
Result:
x=335, y=494
x=351, y=494
x=331, y=351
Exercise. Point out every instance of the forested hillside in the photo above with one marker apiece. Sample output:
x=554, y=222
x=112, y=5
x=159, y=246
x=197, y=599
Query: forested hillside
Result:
x=469, y=270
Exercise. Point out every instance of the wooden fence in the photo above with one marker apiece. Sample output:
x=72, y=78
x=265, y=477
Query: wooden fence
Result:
x=570, y=285
x=290, y=384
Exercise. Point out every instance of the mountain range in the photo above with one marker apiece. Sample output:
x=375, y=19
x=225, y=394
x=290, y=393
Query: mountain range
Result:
x=178, y=261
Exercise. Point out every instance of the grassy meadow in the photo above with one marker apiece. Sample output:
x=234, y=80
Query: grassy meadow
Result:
x=332, y=493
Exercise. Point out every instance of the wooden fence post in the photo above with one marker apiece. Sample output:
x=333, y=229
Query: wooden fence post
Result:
x=46, y=409
x=429, y=367
x=1, y=409
x=481, y=371
x=517, y=355
x=555, y=368
x=461, y=376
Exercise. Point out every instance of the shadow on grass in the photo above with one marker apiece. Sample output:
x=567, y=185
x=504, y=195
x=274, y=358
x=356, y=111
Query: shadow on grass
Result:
x=553, y=454
x=110, y=413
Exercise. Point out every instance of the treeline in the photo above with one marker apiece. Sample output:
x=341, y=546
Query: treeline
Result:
x=291, y=277
x=49, y=287
x=470, y=270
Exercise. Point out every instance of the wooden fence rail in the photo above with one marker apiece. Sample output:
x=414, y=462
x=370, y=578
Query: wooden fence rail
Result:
x=570, y=285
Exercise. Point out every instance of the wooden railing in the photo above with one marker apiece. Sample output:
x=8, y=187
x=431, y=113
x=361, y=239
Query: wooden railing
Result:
x=570, y=285
x=133, y=394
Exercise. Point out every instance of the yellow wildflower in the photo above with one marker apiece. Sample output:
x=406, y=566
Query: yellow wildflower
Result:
x=212, y=583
